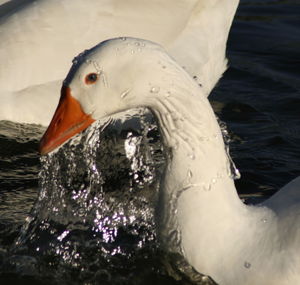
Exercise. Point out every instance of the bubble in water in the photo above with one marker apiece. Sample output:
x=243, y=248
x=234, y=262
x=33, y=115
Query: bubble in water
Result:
x=155, y=89
x=192, y=156
x=97, y=67
x=206, y=186
x=234, y=173
x=247, y=264
x=220, y=175
x=125, y=93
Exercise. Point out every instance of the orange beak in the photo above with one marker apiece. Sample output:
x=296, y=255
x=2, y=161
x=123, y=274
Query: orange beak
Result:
x=69, y=119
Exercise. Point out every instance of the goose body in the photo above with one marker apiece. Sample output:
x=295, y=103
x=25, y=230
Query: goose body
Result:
x=200, y=213
x=39, y=39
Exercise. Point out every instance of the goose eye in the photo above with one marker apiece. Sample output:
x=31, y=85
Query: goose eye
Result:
x=91, y=78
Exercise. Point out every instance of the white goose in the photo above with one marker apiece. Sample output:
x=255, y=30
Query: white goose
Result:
x=39, y=39
x=218, y=234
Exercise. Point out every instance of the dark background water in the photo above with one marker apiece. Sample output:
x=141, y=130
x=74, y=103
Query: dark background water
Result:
x=258, y=98
x=260, y=94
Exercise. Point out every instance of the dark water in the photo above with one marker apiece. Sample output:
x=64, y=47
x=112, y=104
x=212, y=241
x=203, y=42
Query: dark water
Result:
x=258, y=98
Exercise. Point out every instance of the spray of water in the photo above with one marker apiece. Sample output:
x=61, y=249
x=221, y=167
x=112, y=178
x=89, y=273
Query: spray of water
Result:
x=97, y=199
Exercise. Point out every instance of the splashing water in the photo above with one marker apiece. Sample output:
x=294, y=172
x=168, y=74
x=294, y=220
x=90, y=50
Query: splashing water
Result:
x=233, y=171
x=97, y=200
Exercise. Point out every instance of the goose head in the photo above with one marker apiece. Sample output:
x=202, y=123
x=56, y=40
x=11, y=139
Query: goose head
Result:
x=116, y=75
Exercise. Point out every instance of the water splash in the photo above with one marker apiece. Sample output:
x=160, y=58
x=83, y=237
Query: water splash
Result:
x=97, y=199
x=233, y=171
